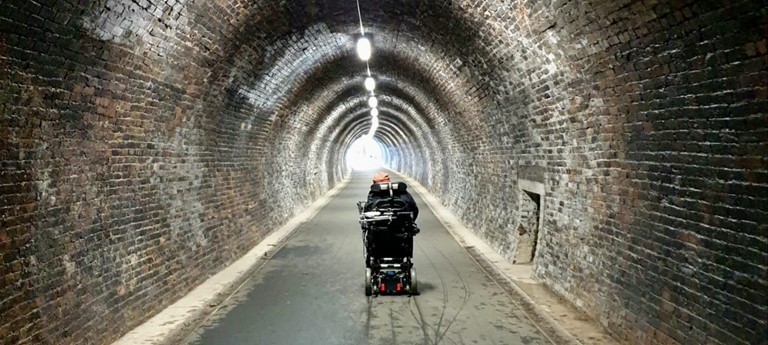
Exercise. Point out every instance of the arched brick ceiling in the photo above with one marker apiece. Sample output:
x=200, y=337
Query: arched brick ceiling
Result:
x=430, y=48
x=277, y=56
x=403, y=75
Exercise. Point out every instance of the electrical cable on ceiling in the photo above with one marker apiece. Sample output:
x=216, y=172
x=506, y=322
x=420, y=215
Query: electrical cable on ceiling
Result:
x=360, y=16
x=362, y=32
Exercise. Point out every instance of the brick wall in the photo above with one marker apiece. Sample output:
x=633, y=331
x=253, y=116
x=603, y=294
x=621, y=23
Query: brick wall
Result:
x=647, y=122
x=139, y=142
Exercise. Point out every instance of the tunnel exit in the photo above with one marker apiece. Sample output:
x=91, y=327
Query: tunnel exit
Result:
x=365, y=154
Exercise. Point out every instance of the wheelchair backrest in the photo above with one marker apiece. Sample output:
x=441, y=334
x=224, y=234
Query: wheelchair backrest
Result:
x=387, y=200
x=389, y=203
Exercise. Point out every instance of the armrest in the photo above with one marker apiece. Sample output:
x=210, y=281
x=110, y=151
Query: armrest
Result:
x=360, y=206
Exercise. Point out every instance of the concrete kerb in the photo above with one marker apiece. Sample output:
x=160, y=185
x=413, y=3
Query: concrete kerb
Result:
x=493, y=263
x=174, y=322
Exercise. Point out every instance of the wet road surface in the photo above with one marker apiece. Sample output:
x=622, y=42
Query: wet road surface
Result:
x=312, y=292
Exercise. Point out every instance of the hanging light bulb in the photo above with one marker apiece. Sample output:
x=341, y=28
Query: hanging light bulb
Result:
x=374, y=112
x=370, y=84
x=364, y=48
x=373, y=102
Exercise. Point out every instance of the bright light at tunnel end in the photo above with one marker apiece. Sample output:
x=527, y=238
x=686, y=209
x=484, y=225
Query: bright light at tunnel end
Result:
x=365, y=154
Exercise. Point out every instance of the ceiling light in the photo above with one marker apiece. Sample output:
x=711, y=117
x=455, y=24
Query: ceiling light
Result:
x=370, y=84
x=364, y=48
x=374, y=112
x=373, y=102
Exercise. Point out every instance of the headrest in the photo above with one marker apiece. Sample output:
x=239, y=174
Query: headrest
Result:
x=378, y=187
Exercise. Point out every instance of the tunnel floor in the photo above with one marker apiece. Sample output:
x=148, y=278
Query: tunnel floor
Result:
x=311, y=291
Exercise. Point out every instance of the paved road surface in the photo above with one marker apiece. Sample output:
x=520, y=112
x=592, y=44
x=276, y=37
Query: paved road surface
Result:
x=311, y=292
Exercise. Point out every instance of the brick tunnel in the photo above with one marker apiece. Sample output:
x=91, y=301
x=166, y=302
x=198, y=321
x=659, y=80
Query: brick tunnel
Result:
x=147, y=144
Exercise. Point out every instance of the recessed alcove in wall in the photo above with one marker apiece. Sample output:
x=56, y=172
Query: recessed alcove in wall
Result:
x=530, y=218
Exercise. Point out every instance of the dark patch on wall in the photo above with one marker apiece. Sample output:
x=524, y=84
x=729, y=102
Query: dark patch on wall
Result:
x=531, y=173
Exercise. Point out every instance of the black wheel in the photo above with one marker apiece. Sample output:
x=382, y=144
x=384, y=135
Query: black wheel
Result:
x=414, y=283
x=368, y=282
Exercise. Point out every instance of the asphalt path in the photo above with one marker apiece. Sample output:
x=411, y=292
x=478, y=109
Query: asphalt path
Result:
x=311, y=291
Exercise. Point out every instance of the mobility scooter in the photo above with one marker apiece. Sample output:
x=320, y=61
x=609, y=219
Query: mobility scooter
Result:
x=388, y=229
